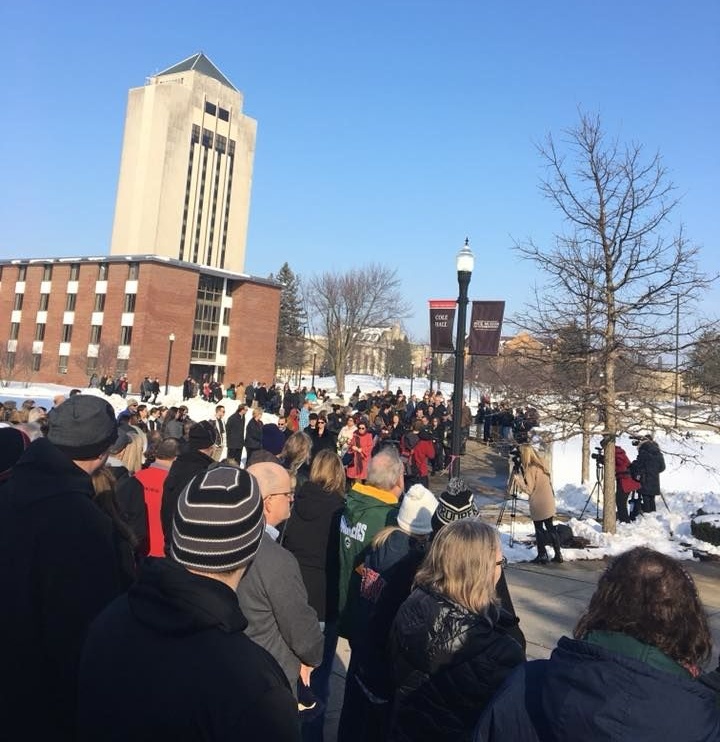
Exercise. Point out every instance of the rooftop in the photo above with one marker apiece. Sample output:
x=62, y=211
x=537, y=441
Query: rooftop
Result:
x=198, y=63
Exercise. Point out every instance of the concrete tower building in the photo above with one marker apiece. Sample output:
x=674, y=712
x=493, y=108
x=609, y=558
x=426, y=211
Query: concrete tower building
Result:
x=186, y=169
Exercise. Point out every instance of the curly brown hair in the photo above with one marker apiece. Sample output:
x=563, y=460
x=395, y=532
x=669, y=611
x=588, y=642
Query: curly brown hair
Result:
x=650, y=597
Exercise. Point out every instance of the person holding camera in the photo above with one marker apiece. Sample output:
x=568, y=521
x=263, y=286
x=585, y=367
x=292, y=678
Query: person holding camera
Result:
x=646, y=469
x=533, y=479
x=625, y=483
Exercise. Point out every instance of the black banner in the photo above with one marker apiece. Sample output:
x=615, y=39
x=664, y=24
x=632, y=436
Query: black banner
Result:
x=485, y=327
x=442, y=319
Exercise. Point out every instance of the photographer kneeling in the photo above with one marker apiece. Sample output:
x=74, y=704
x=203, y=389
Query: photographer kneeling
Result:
x=534, y=480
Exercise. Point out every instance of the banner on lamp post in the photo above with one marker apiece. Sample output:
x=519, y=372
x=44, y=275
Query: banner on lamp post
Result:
x=485, y=327
x=442, y=319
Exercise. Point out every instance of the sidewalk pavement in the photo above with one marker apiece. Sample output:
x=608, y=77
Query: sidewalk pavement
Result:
x=548, y=598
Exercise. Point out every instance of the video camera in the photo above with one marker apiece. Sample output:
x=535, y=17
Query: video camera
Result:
x=515, y=456
x=636, y=441
x=598, y=456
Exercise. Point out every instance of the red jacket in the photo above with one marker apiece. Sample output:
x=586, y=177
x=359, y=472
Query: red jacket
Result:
x=622, y=465
x=424, y=450
x=152, y=480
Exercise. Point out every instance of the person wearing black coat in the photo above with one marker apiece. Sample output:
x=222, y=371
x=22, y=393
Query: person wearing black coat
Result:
x=646, y=469
x=632, y=672
x=58, y=569
x=323, y=439
x=235, y=432
x=170, y=659
x=452, y=647
x=254, y=433
x=198, y=457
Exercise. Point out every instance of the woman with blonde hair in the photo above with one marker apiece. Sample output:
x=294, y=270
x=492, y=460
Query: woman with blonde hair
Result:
x=534, y=480
x=452, y=646
x=295, y=457
x=312, y=534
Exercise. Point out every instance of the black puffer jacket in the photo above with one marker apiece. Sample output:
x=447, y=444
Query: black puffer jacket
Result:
x=447, y=663
x=647, y=467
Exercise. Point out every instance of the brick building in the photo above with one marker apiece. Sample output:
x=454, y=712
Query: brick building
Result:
x=61, y=320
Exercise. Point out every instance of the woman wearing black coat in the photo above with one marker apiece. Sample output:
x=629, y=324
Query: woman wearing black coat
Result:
x=646, y=469
x=312, y=534
x=451, y=644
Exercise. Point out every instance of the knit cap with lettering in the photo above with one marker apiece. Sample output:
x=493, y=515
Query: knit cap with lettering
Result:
x=219, y=520
x=456, y=503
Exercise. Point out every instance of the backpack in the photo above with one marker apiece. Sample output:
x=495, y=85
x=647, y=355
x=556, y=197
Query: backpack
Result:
x=407, y=445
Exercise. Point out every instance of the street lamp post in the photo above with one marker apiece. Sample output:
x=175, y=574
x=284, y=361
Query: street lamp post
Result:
x=312, y=383
x=465, y=262
x=412, y=377
x=171, y=340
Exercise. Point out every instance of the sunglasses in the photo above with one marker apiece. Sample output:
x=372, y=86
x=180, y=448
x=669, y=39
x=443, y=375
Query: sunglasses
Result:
x=502, y=563
x=321, y=422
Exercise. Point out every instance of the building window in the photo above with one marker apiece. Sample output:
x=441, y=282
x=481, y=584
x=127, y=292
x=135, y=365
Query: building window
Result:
x=36, y=360
x=121, y=366
x=195, y=136
x=44, y=299
x=14, y=330
x=223, y=115
x=223, y=345
x=70, y=300
x=99, y=303
x=47, y=273
x=226, y=316
x=40, y=331
x=74, y=271
x=207, y=138
x=10, y=360
x=210, y=108
x=129, y=305
x=220, y=144
x=67, y=333
x=102, y=272
x=22, y=272
x=133, y=271
x=95, y=334
x=126, y=335
x=91, y=366
x=63, y=364
x=18, y=301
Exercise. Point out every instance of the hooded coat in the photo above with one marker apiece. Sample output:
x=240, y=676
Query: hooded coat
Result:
x=170, y=660
x=311, y=535
x=612, y=691
x=58, y=570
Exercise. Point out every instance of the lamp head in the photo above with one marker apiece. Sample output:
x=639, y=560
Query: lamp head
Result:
x=171, y=337
x=465, y=259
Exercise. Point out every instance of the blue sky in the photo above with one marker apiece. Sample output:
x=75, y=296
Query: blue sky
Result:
x=388, y=131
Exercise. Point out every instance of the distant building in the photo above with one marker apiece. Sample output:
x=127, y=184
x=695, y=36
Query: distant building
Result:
x=70, y=318
x=186, y=168
x=177, y=255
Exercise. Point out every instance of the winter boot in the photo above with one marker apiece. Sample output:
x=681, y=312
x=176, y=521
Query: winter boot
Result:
x=542, y=556
x=556, y=547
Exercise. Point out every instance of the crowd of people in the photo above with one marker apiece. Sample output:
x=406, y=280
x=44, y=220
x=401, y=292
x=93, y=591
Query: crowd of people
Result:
x=171, y=578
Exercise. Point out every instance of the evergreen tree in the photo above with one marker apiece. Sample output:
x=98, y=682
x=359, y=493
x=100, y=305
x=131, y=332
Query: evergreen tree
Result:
x=290, y=338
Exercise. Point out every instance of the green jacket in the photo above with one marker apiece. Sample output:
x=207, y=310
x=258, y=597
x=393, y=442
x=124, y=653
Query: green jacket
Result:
x=367, y=511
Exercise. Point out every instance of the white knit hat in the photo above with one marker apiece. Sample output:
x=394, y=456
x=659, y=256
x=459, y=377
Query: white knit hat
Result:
x=416, y=510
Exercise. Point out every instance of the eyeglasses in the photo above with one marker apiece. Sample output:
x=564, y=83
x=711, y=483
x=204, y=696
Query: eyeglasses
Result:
x=361, y=427
x=321, y=422
x=290, y=495
x=502, y=563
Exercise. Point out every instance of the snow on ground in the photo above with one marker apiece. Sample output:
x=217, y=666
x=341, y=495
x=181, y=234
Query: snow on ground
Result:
x=691, y=481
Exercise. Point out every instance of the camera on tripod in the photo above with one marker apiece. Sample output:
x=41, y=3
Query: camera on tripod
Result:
x=515, y=457
x=598, y=456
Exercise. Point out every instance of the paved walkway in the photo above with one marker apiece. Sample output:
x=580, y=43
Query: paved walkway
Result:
x=548, y=599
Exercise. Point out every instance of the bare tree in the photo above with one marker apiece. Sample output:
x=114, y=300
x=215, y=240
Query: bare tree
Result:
x=617, y=269
x=341, y=305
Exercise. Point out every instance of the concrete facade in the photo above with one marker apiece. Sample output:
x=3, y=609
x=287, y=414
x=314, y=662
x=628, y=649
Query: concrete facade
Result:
x=115, y=315
x=186, y=169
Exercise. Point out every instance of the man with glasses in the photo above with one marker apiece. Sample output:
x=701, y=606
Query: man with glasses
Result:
x=272, y=595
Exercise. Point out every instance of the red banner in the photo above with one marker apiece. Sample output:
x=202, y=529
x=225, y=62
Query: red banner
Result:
x=442, y=319
x=485, y=327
